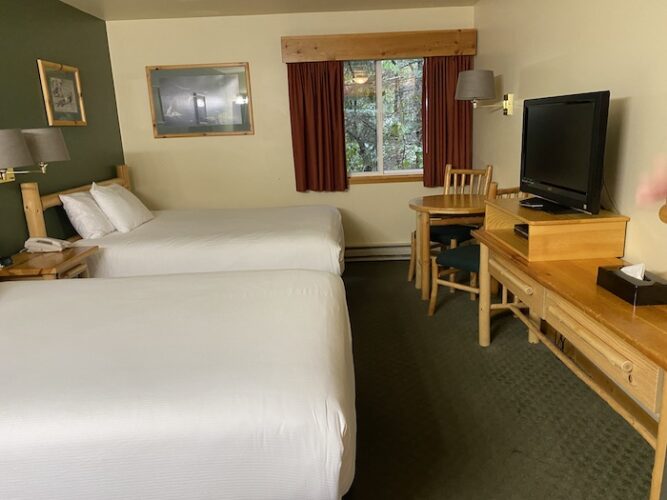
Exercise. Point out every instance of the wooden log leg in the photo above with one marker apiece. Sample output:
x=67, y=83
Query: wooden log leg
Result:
x=413, y=255
x=425, y=229
x=34, y=213
x=452, y=276
x=434, y=287
x=484, y=297
x=473, y=283
x=657, y=479
x=418, y=253
x=532, y=338
x=495, y=286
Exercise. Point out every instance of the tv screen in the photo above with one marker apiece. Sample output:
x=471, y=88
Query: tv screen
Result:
x=563, y=148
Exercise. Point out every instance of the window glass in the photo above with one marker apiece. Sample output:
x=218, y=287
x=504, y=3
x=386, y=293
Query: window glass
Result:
x=361, y=136
x=402, y=119
x=388, y=93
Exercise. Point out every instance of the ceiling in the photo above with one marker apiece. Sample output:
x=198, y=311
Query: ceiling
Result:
x=112, y=10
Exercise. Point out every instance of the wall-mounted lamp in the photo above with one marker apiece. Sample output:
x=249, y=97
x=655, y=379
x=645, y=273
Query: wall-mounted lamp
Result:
x=35, y=146
x=508, y=104
x=14, y=153
x=479, y=85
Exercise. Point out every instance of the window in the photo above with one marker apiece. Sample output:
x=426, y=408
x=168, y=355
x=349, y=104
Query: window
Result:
x=383, y=126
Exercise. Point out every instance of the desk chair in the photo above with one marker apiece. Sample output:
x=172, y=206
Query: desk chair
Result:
x=457, y=181
x=464, y=258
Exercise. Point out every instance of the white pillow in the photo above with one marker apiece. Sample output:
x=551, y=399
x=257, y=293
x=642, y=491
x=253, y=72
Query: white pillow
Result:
x=123, y=209
x=86, y=216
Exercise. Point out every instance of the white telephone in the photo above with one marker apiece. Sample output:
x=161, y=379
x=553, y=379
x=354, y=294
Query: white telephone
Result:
x=38, y=245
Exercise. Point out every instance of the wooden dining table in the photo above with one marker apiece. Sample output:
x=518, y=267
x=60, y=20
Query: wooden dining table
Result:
x=441, y=209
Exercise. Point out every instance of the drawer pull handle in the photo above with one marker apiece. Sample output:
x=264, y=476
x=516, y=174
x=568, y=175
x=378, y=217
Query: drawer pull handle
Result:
x=619, y=362
x=526, y=289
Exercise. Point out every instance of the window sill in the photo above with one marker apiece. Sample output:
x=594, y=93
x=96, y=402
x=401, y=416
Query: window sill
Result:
x=383, y=179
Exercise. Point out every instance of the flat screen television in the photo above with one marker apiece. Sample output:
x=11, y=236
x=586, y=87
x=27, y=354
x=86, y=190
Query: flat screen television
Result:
x=562, y=151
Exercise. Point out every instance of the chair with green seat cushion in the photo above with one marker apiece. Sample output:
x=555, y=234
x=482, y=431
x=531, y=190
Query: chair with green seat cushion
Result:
x=445, y=234
x=457, y=181
x=465, y=258
x=449, y=236
x=448, y=262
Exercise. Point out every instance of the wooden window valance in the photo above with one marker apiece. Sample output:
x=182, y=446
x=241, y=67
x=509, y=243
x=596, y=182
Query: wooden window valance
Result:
x=376, y=46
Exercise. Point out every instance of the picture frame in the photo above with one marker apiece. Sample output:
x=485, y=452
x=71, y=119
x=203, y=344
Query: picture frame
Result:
x=63, y=99
x=200, y=100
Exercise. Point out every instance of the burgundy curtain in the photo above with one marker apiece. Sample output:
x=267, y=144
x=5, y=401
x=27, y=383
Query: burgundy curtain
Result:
x=446, y=122
x=318, y=129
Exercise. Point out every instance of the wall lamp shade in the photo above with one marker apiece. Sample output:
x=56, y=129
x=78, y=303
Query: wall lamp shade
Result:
x=475, y=85
x=33, y=146
x=14, y=151
x=46, y=145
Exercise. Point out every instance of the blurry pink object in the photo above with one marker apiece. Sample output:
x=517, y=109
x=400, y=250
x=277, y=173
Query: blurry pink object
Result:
x=653, y=187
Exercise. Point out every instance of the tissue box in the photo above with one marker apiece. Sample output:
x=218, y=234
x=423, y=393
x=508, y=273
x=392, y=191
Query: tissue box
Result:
x=651, y=291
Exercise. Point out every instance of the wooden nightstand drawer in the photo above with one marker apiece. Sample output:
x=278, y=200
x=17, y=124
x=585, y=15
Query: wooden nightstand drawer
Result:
x=529, y=291
x=640, y=378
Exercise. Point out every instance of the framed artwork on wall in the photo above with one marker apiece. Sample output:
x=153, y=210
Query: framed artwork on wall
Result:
x=61, y=87
x=200, y=100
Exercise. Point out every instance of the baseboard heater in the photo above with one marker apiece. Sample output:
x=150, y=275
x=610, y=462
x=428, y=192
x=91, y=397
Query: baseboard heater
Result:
x=378, y=252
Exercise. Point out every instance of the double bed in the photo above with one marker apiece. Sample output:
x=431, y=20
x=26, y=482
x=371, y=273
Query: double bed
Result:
x=234, y=385
x=177, y=241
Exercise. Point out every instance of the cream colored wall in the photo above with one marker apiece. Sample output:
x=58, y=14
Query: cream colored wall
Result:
x=557, y=47
x=256, y=170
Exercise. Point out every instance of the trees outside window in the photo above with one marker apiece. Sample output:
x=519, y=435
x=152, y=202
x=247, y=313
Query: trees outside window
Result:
x=383, y=125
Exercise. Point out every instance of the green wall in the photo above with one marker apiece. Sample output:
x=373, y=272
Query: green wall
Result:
x=51, y=30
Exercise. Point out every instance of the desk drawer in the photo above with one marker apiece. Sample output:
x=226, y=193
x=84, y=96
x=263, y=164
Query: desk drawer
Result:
x=629, y=369
x=529, y=291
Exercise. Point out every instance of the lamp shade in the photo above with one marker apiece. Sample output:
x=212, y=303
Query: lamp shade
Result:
x=476, y=84
x=46, y=144
x=14, y=151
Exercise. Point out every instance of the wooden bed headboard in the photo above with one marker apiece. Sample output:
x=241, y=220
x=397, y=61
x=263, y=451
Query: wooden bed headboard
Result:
x=34, y=204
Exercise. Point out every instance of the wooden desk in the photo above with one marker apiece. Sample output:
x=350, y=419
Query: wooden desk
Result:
x=618, y=350
x=449, y=209
x=70, y=263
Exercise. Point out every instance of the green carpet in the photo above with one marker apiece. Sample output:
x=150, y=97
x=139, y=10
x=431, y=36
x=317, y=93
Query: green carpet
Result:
x=441, y=418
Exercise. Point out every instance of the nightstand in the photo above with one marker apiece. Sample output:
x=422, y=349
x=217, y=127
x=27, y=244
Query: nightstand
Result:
x=70, y=263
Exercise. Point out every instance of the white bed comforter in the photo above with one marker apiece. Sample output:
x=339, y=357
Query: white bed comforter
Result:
x=184, y=241
x=209, y=386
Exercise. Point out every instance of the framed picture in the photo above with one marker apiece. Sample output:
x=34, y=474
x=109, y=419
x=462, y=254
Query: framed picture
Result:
x=61, y=87
x=200, y=100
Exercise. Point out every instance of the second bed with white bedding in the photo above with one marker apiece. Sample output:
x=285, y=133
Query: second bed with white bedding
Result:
x=183, y=241
x=208, y=386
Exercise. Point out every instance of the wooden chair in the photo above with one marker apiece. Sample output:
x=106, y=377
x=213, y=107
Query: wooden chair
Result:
x=457, y=181
x=467, y=181
x=464, y=258
x=503, y=193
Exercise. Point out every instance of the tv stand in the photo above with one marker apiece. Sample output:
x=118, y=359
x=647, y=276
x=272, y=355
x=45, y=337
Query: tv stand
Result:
x=551, y=237
x=547, y=206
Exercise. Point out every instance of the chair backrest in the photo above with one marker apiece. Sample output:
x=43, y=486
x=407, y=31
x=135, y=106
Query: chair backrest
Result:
x=467, y=181
x=504, y=193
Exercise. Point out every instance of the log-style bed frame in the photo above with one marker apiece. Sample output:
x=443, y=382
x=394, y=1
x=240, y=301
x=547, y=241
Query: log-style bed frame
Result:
x=34, y=204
